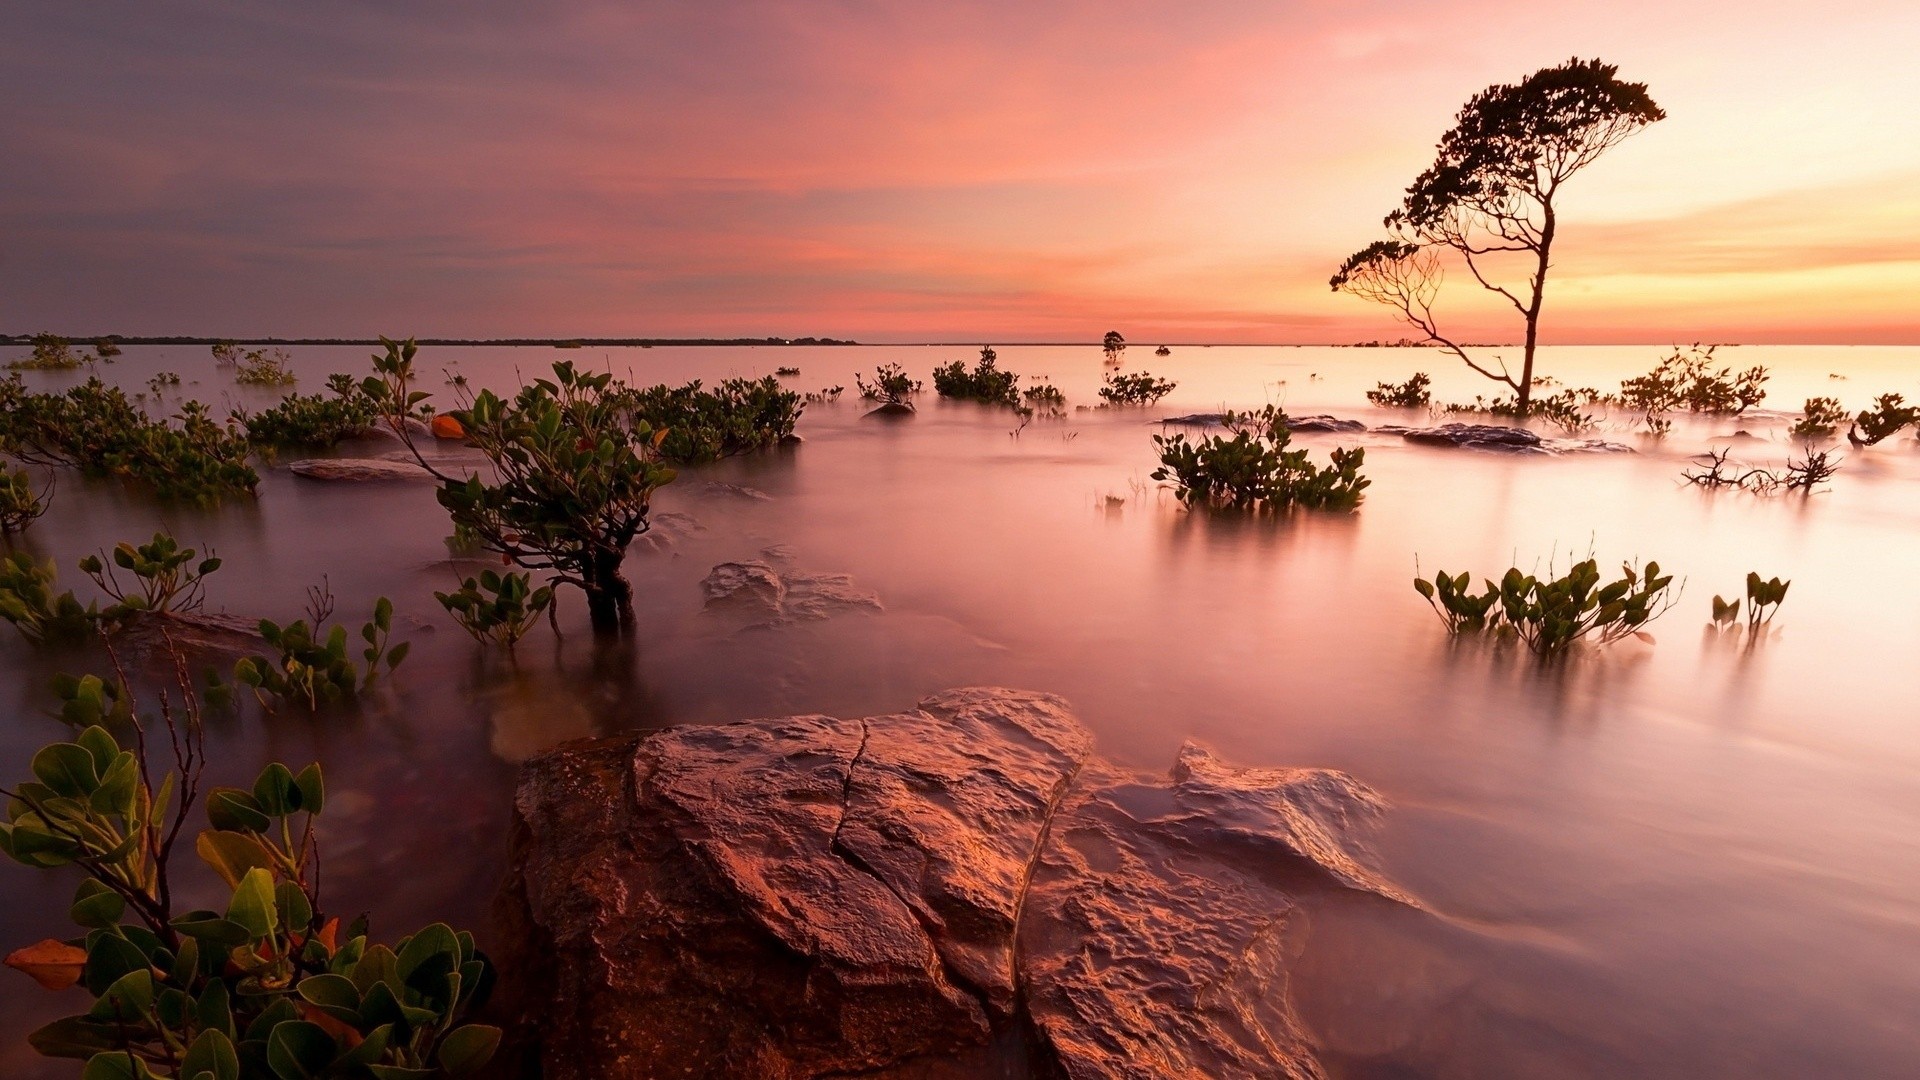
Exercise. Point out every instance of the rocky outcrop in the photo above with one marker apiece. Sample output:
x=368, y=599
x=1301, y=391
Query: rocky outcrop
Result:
x=1317, y=422
x=1499, y=439
x=813, y=897
x=360, y=470
x=765, y=593
x=892, y=410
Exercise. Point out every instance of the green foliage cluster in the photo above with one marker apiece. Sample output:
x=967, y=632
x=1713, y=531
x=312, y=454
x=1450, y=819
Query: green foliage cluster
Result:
x=29, y=602
x=20, y=504
x=106, y=348
x=497, y=607
x=312, y=664
x=1044, y=397
x=890, y=384
x=256, y=367
x=574, y=472
x=50, y=353
x=1820, y=417
x=313, y=420
x=1113, y=345
x=166, y=576
x=96, y=429
x=986, y=383
x=1764, y=597
x=1889, y=414
x=270, y=988
x=1550, y=615
x=1415, y=393
x=1134, y=388
x=1255, y=470
x=1691, y=380
x=738, y=416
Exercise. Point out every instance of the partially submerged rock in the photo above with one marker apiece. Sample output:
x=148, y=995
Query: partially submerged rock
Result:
x=1499, y=438
x=766, y=593
x=360, y=470
x=892, y=410
x=813, y=897
x=1316, y=422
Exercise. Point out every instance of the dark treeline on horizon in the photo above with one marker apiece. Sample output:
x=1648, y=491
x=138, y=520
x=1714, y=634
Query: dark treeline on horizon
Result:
x=177, y=339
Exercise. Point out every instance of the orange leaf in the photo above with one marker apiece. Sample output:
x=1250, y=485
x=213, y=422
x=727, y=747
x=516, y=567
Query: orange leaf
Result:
x=53, y=964
x=339, y=1029
x=329, y=935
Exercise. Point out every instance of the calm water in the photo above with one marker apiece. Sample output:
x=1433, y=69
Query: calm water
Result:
x=1672, y=860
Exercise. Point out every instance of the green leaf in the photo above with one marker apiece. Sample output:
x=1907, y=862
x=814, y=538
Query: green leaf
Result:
x=74, y=1037
x=231, y=854
x=299, y=1049
x=252, y=905
x=115, y=1065
x=333, y=994
x=66, y=768
x=275, y=791
x=467, y=1048
x=211, y=1052
x=95, y=905
x=236, y=810
x=313, y=789
x=210, y=927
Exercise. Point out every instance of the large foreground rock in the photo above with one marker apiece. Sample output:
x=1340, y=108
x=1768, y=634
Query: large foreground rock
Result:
x=1500, y=439
x=813, y=897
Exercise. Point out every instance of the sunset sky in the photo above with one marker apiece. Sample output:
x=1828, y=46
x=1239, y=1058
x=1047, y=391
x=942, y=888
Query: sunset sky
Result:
x=916, y=171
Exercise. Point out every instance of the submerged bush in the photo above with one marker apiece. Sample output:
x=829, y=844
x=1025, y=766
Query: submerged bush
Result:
x=266, y=986
x=1764, y=597
x=1255, y=470
x=1043, y=397
x=1810, y=470
x=312, y=664
x=29, y=602
x=574, y=472
x=1134, y=388
x=1412, y=394
x=95, y=428
x=497, y=607
x=106, y=348
x=50, y=353
x=312, y=420
x=890, y=384
x=1551, y=615
x=1692, y=381
x=986, y=383
x=738, y=416
x=20, y=504
x=1890, y=413
x=166, y=576
x=1820, y=417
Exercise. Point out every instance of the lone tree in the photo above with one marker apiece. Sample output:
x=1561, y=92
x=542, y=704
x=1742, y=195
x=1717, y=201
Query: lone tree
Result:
x=1489, y=197
x=1114, y=345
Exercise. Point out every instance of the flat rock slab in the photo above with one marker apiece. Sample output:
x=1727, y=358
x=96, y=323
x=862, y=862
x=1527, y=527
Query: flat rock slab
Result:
x=1498, y=438
x=360, y=470
x=1317, y=422
x=767, y=593
x=815, y=897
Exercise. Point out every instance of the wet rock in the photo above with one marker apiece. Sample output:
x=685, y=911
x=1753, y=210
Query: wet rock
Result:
x=360, y=470
x=892, y=410
x=812, y=897
x=196, y=634
x=1317, y=422
x=1499, y=439
x=666, y=531
x=717, y=489
x=768, y=594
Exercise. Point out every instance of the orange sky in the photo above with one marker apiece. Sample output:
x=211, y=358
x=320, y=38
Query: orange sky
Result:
x=1005, y=171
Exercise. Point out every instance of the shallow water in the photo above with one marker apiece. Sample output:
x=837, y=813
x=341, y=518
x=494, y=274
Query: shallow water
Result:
x=1672, y=859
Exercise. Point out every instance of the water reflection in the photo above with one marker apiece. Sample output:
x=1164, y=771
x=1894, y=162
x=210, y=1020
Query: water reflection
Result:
x=1687, y=858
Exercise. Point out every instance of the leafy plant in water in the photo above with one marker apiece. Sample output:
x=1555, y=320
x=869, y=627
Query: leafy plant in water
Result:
x=313, y=420
x=986, y=383
x=1415, y=393
x=166, y=576
x=1462, y=611
x=1134, y=388
x=20, y=504
x=1889, y=414
x=1113, y=345
x=29, y=602
x=1255, y=470
x=314, y=664
x=1691, y=380
x=1044, y=397
x=106, y=348
x=1764, y=597
x=786, y=372
x=96, y=429
x=497, y=607
x=738, y=416
x=50, y=353
x=271, y=987
x=574, y=475
x=890, y=384
x=1820, y=417
x=264, y=367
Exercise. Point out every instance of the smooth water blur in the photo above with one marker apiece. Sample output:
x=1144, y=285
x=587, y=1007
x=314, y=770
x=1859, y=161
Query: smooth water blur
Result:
x=1681, y=859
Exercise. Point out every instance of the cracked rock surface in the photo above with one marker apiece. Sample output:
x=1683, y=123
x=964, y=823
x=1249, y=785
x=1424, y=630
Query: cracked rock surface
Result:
x=812, y=897
x=765, y=593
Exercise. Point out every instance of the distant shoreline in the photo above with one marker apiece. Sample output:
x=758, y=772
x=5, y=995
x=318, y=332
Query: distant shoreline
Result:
x=804, y=342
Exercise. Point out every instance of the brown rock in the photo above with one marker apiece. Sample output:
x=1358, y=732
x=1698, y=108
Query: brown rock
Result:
x=359, y=470
x=765, y=594
x=813, y=897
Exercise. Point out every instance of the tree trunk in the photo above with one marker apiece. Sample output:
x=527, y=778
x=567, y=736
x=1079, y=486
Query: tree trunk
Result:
x=1533, y=309
x=609, y=596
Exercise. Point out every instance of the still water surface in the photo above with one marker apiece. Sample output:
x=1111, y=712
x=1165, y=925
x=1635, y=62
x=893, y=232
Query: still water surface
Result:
x=1680, y=859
